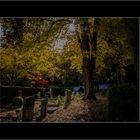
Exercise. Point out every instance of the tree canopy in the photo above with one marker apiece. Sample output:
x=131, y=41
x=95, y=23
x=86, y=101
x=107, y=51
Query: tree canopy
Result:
x=97, y=47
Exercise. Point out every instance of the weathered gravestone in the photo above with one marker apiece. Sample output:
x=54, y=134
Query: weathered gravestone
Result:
x=67, y=98
x=51, y=93
x=28, y=109
x=44, y=102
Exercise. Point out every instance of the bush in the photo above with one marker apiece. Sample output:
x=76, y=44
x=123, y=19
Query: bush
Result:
x=78, y=97
x=123, y=103
x=23, y=82
x=59, y=100
x=68, y=90
x=12, y=91
x=18, y=101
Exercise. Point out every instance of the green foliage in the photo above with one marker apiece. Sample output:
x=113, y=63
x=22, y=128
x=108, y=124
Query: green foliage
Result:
x=34, y=51
x=68, y=90
x=24, y=81
x=21, y=64
x=12, y=31
x=112, y=49
x=17, y=101
x=59, y=100
x=123, y=103
x=113, y=53
x=72, y=54
x=30, y=49
x=77, y=97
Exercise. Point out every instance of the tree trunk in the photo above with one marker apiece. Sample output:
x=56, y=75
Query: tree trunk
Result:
x=132, y=30
x=89, y=59
x=88, y=78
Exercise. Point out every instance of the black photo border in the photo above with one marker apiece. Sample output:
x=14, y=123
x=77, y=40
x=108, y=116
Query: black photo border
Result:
x=69, y=9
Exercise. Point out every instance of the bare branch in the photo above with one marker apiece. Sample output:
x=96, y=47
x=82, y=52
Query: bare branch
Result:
x=58, y=20
x=58, y=34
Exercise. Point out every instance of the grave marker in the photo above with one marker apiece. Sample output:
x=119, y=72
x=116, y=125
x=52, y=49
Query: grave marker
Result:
x=44, y=102
x=67, y=98
x=28, y=109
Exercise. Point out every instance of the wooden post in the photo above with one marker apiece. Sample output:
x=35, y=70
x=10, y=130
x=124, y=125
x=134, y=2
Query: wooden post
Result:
x=28, y=109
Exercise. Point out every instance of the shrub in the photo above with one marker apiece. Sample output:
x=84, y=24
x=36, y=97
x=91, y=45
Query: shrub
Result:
x=59, y=100
x=18, y=101
x=12, y=91
x=67, y=90
x=24, y=81
x=78, y=96
x=123, y=103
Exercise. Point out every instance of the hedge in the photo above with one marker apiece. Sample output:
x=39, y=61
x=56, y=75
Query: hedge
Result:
x=123, y=103
x=59, y=91
x=9, y=92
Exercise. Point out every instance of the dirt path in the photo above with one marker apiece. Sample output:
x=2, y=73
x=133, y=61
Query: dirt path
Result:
x=80, y=111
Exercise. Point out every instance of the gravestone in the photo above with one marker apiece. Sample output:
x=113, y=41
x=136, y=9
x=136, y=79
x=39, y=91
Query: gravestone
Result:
x=19, y=114
x=81, y=90
x=28, y=109
x=51, y=93
x=67, y=99
x=44, y=102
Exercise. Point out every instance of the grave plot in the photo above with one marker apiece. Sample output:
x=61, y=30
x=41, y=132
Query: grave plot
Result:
x=32, y=110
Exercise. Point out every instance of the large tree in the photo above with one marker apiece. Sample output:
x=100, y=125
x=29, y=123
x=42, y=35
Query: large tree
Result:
x=102, y=45
x=132, y=30
x=29, y=49
x=87, y=37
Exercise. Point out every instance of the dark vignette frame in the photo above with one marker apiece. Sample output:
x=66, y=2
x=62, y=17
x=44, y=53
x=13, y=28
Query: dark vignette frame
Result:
x=69, y=9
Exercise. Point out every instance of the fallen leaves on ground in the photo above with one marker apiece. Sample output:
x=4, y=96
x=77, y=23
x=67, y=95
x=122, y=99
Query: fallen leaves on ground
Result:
x=80, y=111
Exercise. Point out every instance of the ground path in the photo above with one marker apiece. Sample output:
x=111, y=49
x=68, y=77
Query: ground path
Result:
x=79, y=111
